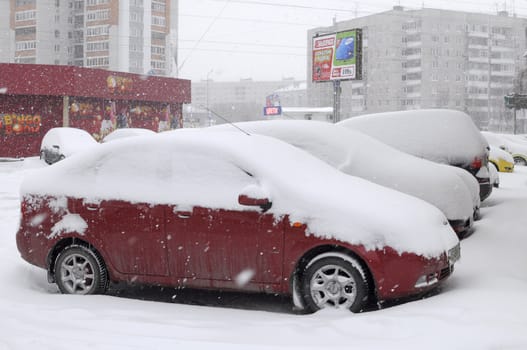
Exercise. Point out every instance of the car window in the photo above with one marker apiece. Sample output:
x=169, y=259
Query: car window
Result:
x=218, y=180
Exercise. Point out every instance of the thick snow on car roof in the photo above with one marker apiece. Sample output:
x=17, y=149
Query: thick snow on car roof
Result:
x=360, y=155
x=118, y=134
x=440, y=135
x=70, y=140
x=332, y=204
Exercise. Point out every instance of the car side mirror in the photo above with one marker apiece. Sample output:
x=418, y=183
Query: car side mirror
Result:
x=255, y=196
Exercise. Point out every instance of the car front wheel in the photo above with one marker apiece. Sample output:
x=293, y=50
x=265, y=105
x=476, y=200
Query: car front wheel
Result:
x=335, y=282
x=520, y=161
x=79, y=270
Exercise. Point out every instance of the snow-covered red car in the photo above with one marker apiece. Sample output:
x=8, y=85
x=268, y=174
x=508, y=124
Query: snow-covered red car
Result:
x=229, y=211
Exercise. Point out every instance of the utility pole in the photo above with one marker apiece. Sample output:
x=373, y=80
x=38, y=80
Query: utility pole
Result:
x=336, y=100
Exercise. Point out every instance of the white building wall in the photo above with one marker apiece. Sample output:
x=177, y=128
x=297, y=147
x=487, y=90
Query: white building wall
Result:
x=147, y=36
x=46, y=31
x=122, y=49
x=7, y=35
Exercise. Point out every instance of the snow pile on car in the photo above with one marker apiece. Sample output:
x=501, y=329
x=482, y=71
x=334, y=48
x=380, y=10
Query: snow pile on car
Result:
x=439, y=135
x=70, y=140
x=360, y=155
x=331, y=203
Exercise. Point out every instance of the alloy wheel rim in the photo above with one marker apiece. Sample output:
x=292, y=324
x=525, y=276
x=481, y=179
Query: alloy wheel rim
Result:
x=333, y=286
x=77, y=274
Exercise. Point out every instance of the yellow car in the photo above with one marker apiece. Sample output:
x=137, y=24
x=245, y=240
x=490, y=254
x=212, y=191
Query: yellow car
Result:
x=502, y=160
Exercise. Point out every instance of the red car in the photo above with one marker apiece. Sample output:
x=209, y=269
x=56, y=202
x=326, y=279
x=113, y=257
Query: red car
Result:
x=233, y=212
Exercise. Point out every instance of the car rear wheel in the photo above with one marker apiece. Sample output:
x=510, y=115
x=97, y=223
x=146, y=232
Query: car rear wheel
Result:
x=520, y=161
x=79, y=270
x=335, y=282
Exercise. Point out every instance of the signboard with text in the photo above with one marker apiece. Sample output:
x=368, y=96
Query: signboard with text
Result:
x=272, y=110
x=337, y=56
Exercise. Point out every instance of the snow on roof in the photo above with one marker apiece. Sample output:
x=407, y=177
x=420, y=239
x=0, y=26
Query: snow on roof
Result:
x=126, y=132
x=441, y=135
x=360, y=155
x=177, y=167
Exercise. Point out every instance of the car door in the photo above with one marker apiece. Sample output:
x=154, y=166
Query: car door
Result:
x=135, y=237
x=212, y=236
x=131, y=230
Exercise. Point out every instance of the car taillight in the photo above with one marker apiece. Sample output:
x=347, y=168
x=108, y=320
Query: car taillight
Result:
x=476, y=163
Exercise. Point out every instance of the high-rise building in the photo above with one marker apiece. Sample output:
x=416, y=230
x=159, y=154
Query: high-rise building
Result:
x=137, y=36
x=430, y=58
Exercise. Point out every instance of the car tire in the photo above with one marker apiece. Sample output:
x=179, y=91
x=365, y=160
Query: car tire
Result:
x=79, y=270
x=337, y=281
x=520, y=161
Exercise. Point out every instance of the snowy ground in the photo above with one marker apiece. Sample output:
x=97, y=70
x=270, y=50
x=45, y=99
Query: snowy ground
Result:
x=482, y=306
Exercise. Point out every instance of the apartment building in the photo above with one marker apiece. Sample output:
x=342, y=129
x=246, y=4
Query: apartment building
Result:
x=136, y=36
x=430, y=58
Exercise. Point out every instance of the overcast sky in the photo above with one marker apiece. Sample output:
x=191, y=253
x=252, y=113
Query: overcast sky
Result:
x=227, y=40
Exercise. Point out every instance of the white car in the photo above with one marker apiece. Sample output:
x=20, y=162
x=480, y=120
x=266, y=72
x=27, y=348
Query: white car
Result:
x=356, y=154
x=440, y=135
x=62, y=142
x=122, y=133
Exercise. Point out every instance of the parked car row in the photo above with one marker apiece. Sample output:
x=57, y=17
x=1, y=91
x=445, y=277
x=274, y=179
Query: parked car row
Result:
x=225, y=210
x=299, y=208
x=353, y=153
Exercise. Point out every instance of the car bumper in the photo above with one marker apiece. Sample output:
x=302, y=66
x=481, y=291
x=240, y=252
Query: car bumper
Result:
x=485, y=188
x=408, y=275
x=462, y=227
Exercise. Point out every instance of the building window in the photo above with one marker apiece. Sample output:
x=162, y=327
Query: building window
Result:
x=158, y=50
x=97, y=61
x=136, y=17
x=26, y=45
x=158, y=7
x=158, y=64
x=97, y=46
x=96, y=31
x=99, y=15
x=158, y=21
x=25, y=15
x=25, y=31
x=20, y=3
x=96, y=2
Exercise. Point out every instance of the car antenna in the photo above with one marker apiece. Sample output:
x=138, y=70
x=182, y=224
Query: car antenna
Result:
x=225, y=119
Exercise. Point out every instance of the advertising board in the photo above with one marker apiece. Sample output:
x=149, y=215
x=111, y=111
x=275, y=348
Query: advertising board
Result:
x=337, y=56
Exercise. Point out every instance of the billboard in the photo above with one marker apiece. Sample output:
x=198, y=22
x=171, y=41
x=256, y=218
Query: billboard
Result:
x=337, y=56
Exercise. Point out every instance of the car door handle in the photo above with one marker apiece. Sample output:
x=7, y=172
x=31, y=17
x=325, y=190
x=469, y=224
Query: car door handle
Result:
x=184, y=215
x=92, y=207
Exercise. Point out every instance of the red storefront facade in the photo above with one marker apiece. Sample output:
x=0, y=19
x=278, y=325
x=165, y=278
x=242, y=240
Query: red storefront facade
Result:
x=36, y=98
